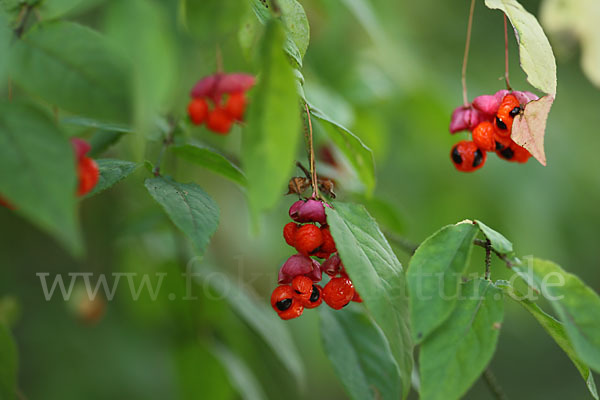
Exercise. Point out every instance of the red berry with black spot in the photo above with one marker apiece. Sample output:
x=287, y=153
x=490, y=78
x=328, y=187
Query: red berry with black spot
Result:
x=284, y=303
x=508, y=110
x=308, y=239
x=338, y=292
x=514, y=153
x=316, y=297
x=467, y=157
x=89, y=174
x=484, y=135
x=198, y=111
x=289, y=233
x=236, y=105
x=219, y=121
x=302, y=287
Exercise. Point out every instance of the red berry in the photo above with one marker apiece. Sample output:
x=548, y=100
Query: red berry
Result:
x=284, y=303
x=302, y=288
x=338, y=292
x=508, y=110
x=467, y=157
x=236, y=105
x=308, y=239
x=316, y=297
x=514, y=153
x=88, y=175
x=328, y=245
x=219, y=121
x=289, y=233
x=198, y=110
x=501, y=141
x=357, y=297
x=483, y=136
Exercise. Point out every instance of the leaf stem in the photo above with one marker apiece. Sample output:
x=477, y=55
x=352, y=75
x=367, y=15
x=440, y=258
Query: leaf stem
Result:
x=488, y=259
x=503, y=257
x=219, y=59
x=492, y=383
x=311, y=157
x=506, y=54
x=466, y=55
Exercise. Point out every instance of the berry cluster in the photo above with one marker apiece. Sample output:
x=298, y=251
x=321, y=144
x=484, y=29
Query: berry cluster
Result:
x=490, y=119
x=87, y=170
x=219, y=100
x=299, y=275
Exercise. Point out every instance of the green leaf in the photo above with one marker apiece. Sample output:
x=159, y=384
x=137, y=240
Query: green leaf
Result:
x=102, y=140
x=377, y=276
x=455, y=355
x=72, y=67
x=211, y=160
x=37, y=163
x=577, y=305
x=556, y=330
x=140, y=30
x=434, y=276
x=294, y=22
x=388, y=215
x=240, y=375
x=498, y=241
x=271, y=137
x=537, y=58
x=111, y=173
x=8, y=365
x=259, y=317
x=5, y=37
x=188, y=206
x=50, y=9
x=360, y=355
x=93, y=124
x=358, y=154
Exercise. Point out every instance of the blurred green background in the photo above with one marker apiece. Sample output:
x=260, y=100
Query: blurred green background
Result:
x=394, y=79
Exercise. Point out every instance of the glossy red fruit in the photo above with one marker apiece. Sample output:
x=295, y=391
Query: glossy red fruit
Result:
x=338, y=292
x=236, y=105
x=289, y=233
x=302, y=288
x=508, y=110
x=514, y=153
x=88, y=175
x=484, y=136
x=316, y=297
x=308, y=239
x=501, y=142
x=328, y=245
x=467, y=157
x=219, y=121
x=284, y=303
x=198, y=111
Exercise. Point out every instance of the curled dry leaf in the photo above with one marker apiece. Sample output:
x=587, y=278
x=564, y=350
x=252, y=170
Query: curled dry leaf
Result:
x=529, y=128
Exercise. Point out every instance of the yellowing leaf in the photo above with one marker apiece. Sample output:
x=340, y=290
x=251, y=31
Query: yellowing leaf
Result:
x=528, y=130
x=580, y=19
x=537, y=59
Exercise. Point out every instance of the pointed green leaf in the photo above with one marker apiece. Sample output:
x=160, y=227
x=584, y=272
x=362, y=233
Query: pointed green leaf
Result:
x=37, y=171
x=556, y=330
x=377, y=276
x=111, y=173
x=434, y=276
x=8, y=365
x=498, y=241
x=360, y=354
x=537, y=58
x=92, y=123
x=240, y=375
x=189, y=207
x=455, y=355
x=211, y=160
x=271, y=137
x=74, y=68
x=577, y=305
x=357, y=153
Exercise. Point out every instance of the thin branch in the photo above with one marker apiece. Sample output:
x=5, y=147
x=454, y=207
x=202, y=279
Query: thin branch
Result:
x=466, y=55
x=311, y=157
x=506, y=54
x=219, y=59
x=492, y=383
x=488, y=258
x=503, y=257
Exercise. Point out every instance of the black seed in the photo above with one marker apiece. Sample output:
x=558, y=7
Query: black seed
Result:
x=499, y=146
x=456, y=156
x=513, y=113
x=297, y=292
x=500, y=124
x=478, y=158
x=283, y=304
x=314, y=296
x=507, y=153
